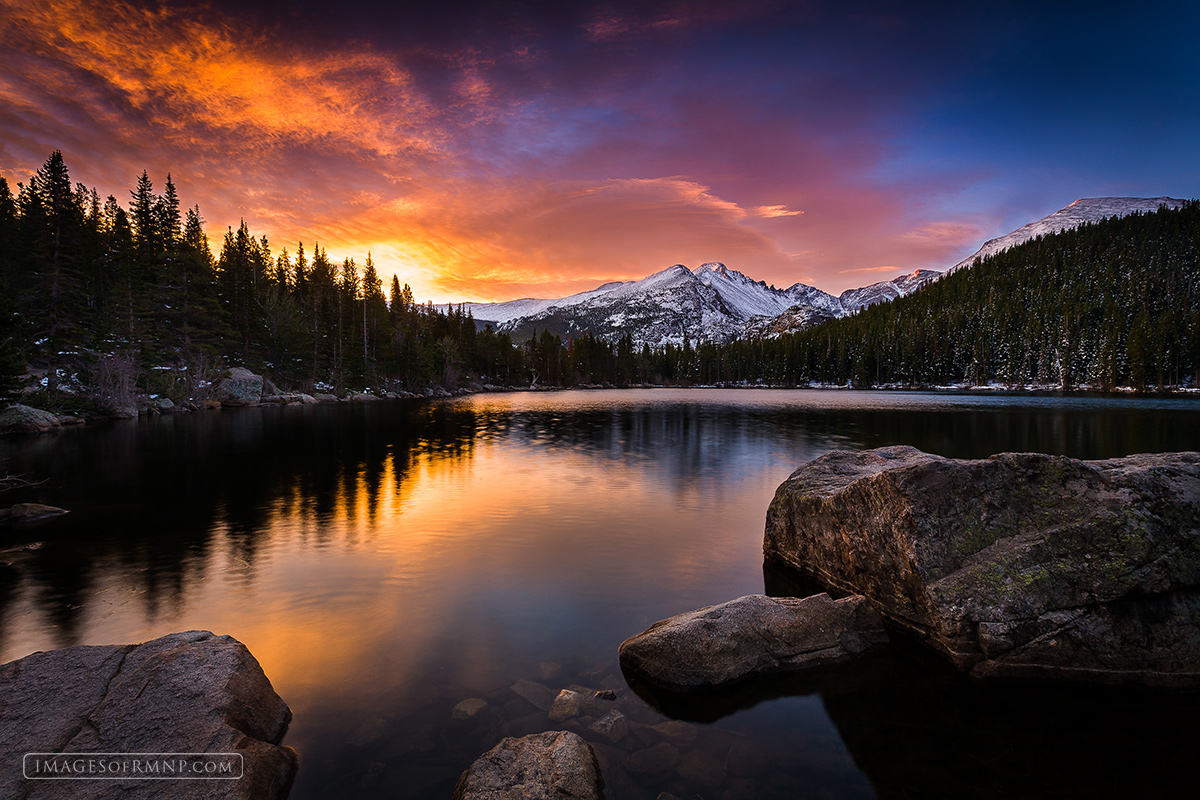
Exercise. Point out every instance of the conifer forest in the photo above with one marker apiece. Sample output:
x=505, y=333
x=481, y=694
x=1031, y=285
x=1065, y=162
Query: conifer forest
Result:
x=101, y=297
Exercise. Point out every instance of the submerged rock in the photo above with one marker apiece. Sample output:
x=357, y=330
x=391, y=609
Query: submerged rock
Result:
x=187, y=692
x=656, y=762
x=239, y=387
x=568, y=704
x=468, y=708
x=26, y=419
x=751, y=636
x=537, y=694
x=555, y=765
x=1020, y=565
x=612, y=726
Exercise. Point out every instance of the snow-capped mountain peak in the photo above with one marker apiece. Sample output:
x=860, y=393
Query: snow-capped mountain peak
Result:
x=1082, y=211
x=715, y=303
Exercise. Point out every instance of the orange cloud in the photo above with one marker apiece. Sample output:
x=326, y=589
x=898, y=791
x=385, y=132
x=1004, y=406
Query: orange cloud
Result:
x=497, y=240
x=194, y=77
x=772, y=212
x=473, y=184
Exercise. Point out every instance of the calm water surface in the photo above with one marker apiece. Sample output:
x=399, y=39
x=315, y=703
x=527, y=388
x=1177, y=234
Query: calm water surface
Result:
x=386, y=561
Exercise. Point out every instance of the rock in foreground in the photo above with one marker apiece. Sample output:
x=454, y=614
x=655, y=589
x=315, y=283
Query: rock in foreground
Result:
x=1020, y=565
x=183, y=693
x=751, y=636
x=556, y=765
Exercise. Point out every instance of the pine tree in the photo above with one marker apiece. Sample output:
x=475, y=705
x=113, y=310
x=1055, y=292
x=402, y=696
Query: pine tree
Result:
x=374, y=317
x=52, y=221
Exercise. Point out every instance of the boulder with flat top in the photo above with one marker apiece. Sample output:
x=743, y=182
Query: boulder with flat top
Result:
x=1021, y=565
x=749, y=637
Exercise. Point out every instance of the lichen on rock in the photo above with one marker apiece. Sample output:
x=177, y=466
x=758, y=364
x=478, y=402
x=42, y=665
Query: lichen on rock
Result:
x=1021, y=565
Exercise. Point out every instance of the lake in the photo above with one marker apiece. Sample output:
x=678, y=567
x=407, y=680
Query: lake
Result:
x=386, y=561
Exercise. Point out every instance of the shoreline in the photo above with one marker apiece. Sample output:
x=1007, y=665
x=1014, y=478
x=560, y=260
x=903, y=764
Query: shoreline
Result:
x=152, y=407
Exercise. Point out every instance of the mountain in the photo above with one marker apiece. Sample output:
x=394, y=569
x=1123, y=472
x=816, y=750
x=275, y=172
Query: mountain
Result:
x=1083, y=211
x=710, y=303
x=853, y=300
x=713, y=303
x=1114, y=304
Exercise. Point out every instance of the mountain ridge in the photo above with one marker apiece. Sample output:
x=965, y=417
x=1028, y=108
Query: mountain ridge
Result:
x=709, y=303
x=1081, y=212
x=715, y=303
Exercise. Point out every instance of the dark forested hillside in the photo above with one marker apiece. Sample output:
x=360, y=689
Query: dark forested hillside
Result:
x=104, y=299
x=1116, y=303
x=111, y=299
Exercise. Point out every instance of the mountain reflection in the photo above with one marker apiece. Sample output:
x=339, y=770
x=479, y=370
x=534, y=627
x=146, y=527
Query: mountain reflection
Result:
x=150, y=497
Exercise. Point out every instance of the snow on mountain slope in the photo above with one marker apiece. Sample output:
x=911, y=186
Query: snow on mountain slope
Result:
x=744, y=297
x=710, y=303
x=715, y=303
x=528, y=306
x=796, y=318
x=854, y=300
x=666, y=307
x=1089, y=209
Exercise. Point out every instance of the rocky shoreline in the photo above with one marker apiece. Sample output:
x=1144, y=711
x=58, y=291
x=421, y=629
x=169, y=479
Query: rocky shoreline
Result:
x=239, y=387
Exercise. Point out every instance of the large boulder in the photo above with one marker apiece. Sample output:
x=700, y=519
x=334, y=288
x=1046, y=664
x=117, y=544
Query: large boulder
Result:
x=1020, y=565
x=239, y=387
x=187, y=692
x=555, y=765
x=751, y=636
x=26, y=419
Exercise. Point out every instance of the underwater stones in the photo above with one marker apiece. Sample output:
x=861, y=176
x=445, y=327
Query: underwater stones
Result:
x=566, y=705
x=657, y=761
x=612, y=726
x=537, y=694
x=554, y=765
x=468, y=708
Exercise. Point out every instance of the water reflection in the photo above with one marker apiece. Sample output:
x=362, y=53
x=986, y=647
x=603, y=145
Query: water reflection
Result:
x=387, y=561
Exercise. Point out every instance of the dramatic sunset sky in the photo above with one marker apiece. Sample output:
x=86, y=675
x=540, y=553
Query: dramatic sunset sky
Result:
x=494, y=150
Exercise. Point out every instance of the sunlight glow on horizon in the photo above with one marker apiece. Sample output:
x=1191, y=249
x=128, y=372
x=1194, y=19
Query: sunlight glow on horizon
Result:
x=548, y=157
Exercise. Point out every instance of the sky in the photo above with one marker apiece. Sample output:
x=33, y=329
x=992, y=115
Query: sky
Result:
x=497, y=150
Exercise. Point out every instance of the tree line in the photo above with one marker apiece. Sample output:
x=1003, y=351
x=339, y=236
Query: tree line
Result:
x=113, y=298
x=1111, y=304
x=106, y=299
